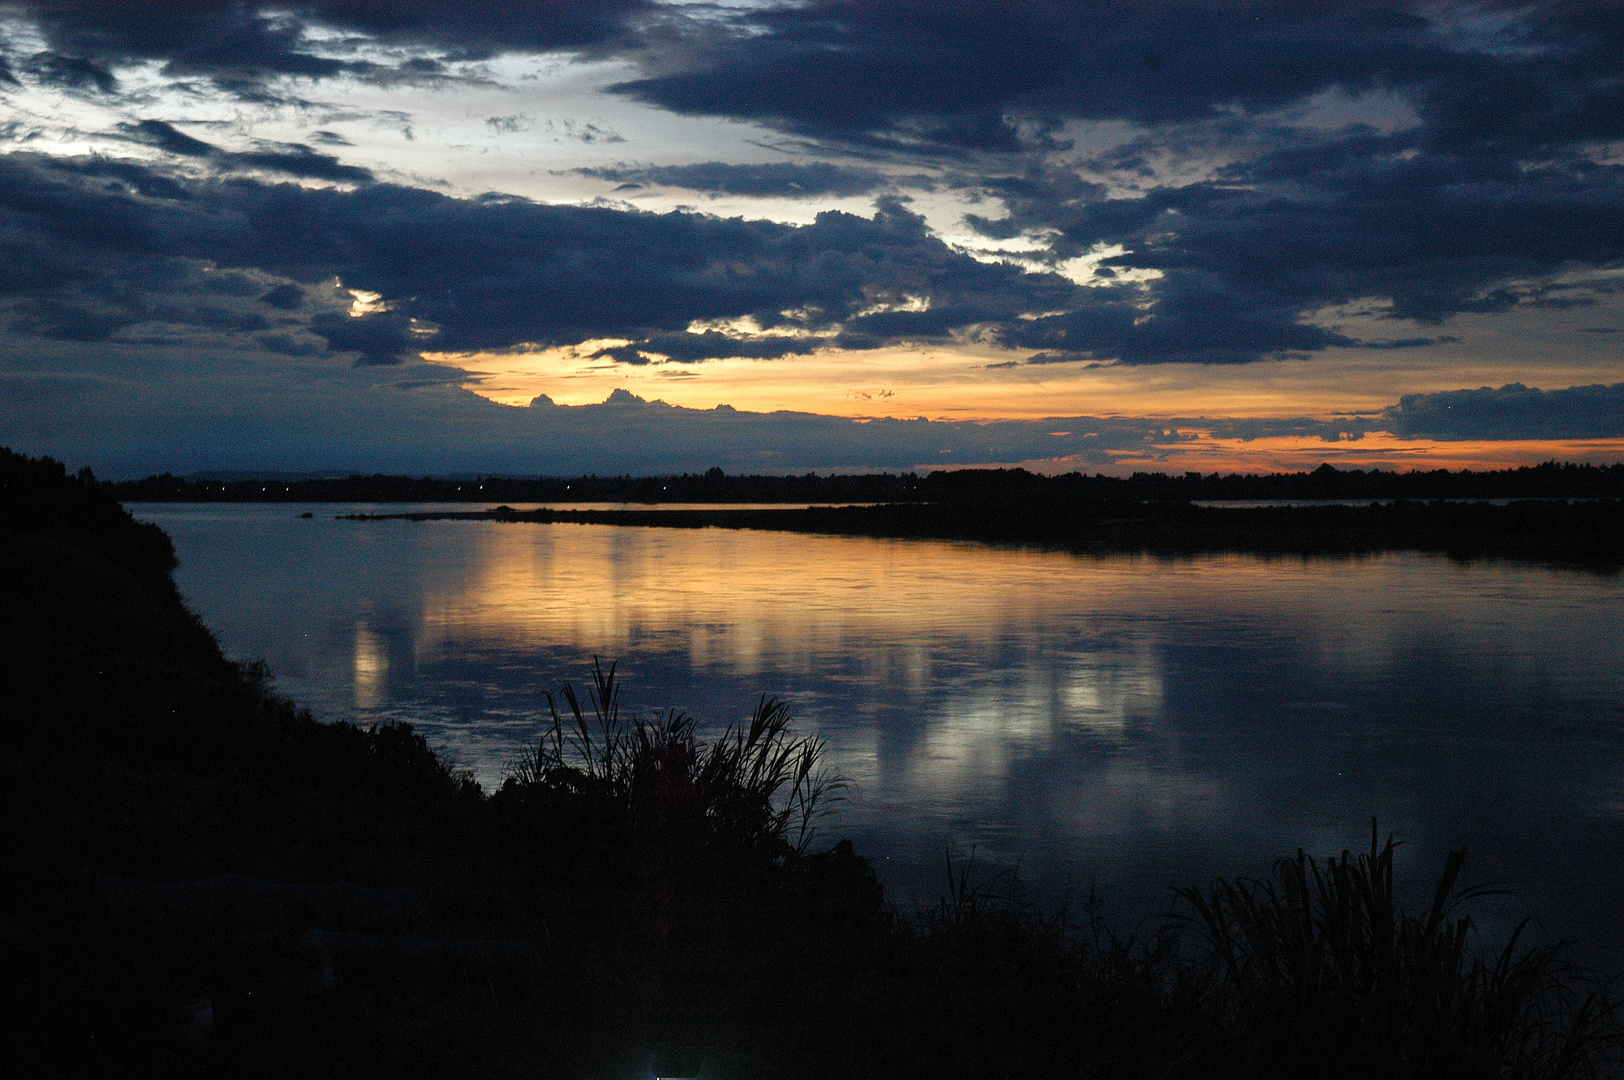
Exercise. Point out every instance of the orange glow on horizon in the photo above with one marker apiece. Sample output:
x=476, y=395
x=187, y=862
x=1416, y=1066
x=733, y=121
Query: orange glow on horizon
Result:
x=1379, y=450
x=981, y=382
x=976, y=382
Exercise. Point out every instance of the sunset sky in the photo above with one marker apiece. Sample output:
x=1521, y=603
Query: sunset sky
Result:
x=641, y=236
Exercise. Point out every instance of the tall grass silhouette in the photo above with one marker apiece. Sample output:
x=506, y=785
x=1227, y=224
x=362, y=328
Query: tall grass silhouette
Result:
x=1319, y=971
x=758, y=787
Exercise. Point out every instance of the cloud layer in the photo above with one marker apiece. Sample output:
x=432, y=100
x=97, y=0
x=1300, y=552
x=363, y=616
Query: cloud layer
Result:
x=1166, y=182
x=1486, y=192
x=481, y=274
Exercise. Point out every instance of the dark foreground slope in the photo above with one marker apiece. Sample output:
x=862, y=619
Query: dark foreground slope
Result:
x=644, y=907
x=132, y=747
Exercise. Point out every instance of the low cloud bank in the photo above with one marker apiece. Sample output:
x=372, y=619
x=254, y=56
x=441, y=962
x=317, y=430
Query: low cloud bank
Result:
x=1513, y=411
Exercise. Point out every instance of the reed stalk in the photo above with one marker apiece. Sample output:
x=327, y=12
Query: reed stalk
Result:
x=758, y=786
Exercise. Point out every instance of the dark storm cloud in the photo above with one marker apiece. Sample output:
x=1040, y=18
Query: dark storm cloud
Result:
x=234, y=41
x=1437, y=235
x=166, y=137
x=294, y=159
x=1465, y=212
x=1341, y=429
x=289, y=345
x=230, y=283
x=1564, y=90
x=70, y=71
x=776, y=179
x=1462, y=212
x=1196, y=317
x=208, y=317
x=1512, y=412
x=972, y=76
x=999, y=76
x=288, y=297
x=379, y=339
x=711, y=345
x=241, y=43
x=969, y=76
x=497, y=272
x=63, y=320
x=1409, y=343
x=1243, y=260
x=959, y=75
x=483, y=27
x=1240, y=267
x=136, y=178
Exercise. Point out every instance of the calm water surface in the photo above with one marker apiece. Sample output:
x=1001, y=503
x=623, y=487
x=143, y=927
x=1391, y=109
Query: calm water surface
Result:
x=1134, y=721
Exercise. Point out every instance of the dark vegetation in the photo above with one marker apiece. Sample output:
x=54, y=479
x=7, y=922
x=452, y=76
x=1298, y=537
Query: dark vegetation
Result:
x=1566, y=513
x=1550, y=480
x=681, y=912
x=1582, y=531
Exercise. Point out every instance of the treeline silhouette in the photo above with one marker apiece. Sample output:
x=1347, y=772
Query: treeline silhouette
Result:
x=1549, y=480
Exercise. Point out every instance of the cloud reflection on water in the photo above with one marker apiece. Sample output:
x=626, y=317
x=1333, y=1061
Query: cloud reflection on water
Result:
x=371, y=667
x=1147, y=720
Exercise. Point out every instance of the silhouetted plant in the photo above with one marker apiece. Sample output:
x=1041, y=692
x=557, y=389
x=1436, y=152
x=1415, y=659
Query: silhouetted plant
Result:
x=969, y=904
x=1318, y=971
x=757, y=787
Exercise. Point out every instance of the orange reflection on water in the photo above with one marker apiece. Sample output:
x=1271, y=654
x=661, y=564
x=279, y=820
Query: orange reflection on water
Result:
x=949, y=669
x=896, y=618
x=742, y=598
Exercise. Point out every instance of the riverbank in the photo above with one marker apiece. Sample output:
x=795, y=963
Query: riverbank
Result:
x=1583, y=532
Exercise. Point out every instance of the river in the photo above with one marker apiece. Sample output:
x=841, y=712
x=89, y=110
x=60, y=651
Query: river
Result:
x=1131, y=722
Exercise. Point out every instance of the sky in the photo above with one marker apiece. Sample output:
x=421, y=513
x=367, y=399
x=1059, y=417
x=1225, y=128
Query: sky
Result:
x=650, y=236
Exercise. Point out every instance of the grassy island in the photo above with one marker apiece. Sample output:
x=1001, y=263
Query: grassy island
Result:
x=202, y=880
x=1587, y=532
